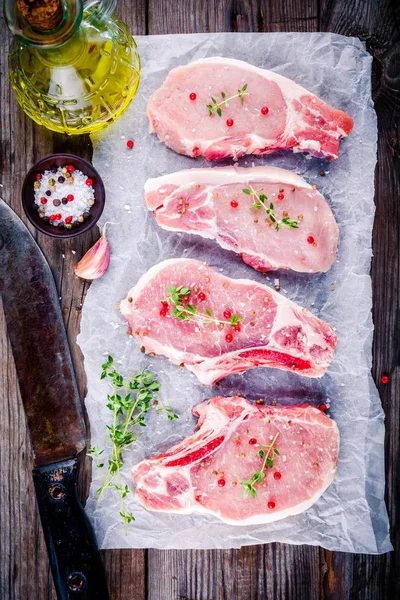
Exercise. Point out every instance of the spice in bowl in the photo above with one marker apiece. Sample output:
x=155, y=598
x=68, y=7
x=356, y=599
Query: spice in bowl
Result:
x=64, y=196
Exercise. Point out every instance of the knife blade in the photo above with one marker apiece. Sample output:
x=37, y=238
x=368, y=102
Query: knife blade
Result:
x=52, y=406
x=42, y=358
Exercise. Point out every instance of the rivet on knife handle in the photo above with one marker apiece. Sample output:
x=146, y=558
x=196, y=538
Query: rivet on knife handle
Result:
x=74, y=556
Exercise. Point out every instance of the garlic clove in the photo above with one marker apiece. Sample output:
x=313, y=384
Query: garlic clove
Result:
x=96, y=260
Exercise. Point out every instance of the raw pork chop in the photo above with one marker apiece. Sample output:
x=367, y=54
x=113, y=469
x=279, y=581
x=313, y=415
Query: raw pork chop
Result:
x=272, y=113
x=222, y=325
x=204, y=472
x=211, y=203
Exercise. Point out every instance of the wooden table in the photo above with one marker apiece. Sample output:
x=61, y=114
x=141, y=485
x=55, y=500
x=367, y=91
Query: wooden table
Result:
x=274, y=571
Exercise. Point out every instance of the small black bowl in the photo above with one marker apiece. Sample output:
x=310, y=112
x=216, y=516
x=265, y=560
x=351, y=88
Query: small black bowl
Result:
x=28, y=195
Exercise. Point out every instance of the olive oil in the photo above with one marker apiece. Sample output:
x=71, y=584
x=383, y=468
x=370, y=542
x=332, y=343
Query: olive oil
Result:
x=78, y=76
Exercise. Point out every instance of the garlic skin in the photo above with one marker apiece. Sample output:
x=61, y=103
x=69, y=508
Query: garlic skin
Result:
x=96, y=260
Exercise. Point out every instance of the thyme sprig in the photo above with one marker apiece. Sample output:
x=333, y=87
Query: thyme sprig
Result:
x=131, y=400
x=268, y=454
x=260, y=202
x=178, y=298
x=215, y=106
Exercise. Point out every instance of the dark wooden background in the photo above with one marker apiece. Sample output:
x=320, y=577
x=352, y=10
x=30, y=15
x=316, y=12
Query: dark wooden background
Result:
x=275, y=571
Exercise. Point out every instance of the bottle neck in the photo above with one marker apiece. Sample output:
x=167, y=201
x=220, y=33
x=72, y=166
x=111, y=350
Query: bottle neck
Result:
x=50, y=23
x=99, y=9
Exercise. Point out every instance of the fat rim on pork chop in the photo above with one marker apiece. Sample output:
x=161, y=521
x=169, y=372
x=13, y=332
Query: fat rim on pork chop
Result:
x=216, y=326
x=270, y=216
x=292, y=451
x=221, y=107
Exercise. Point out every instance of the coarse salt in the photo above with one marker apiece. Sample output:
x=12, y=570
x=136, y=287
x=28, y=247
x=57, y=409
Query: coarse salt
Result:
x=70, y=211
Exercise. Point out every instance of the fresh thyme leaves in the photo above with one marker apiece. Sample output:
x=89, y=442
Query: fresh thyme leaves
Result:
x=215, y=106
x=268, y=454
x=95, y=453
x=183, y=310
x=131, y=400
x=249, y=484
x=235, y=320
x=127, y=517
x=260, y=202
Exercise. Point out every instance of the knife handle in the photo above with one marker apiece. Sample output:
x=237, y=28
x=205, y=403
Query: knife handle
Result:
x=74, y=556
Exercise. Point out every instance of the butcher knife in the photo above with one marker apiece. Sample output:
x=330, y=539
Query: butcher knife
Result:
x=52, y=407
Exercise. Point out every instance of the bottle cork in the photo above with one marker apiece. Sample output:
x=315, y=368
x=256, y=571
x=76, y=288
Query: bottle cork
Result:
x=43, y=15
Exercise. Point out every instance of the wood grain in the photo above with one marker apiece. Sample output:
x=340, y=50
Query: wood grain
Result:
x=250, y=573
x=377, y=577
x=271, y=572
x=24, y=568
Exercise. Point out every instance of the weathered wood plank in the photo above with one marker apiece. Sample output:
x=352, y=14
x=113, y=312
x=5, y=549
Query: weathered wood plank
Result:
x=250, y=573
x=337, y=577
x=376, y=577
x=126, y=569
x=24, y=572
x=126, y=574
x=193, y=16
x=270, y=572
x=259, y=572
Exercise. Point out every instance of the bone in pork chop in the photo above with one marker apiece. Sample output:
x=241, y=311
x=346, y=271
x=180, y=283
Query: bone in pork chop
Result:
x=246, y=464
x=219, y=107
x=216, y=326
x=271, y=217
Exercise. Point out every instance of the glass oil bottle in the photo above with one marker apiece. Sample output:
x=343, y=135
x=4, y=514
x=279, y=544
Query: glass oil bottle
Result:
x=73, y=66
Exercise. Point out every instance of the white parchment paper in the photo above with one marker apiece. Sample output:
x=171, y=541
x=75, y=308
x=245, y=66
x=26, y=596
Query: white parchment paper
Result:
x=351, y=515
